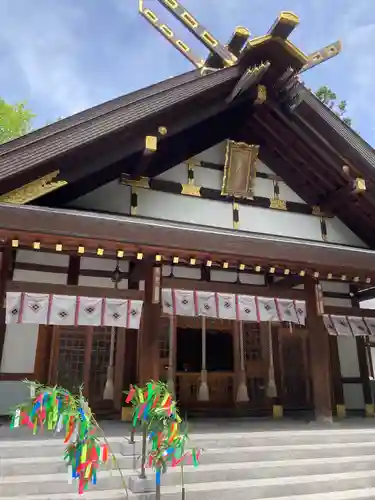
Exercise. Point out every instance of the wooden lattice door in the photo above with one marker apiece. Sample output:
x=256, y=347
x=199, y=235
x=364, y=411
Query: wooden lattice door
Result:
x=296, y=391
x=80, y=355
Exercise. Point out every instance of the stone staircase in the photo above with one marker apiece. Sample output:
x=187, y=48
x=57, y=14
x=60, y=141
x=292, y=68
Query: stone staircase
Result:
x=295, y=462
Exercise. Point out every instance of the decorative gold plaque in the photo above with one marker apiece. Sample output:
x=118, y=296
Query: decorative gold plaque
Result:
x=239, y=169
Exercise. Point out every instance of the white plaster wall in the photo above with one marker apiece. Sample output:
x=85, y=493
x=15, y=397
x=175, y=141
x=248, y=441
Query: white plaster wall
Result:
x=43, y=258
x=39, y=277
x=179, y=173
x=184, y=209
x=208, y=177
x=12, y=393
x=193, y=272
x=112, y=197
x=338, y=233
x=348, y=357
x=280, y=223
x=335, y=286
x=21, y=340
x=353, y=393
x=101, y=264
x=19, y=348
x=265, y=188
x=353, y=396
x=337, y=302
x=215, y=154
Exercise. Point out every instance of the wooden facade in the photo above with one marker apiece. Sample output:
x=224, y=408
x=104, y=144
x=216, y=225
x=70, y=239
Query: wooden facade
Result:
x=233, y=178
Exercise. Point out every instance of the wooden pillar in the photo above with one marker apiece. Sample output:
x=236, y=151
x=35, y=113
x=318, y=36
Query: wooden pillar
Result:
x=276, y=351
x=365, y=375
x=6, y=264
x=337, y=388
x=149, y=330
x=236, y=359
x=319, y=355
x=119, y=367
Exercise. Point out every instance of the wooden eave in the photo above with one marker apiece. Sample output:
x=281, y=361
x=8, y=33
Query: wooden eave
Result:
x=113, y=232
x=117, y=128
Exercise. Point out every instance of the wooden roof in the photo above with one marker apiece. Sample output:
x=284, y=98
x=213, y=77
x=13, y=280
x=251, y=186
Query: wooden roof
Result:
x=302, y=140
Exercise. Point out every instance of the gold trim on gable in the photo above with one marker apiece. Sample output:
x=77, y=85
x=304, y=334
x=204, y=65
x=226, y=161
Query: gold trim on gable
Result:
x=33, y=190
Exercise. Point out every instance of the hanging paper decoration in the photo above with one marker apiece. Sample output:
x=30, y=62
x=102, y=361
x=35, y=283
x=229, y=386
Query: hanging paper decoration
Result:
x=226, y=305
x=301, y=311
x=342, y=325
x=55, y=409
x=134, y=314
x=53, y=309
x=329, y=325
x=115, y=312
x=183, y=302
x=63, y=310
x=13, y=307
x=358, y=326
x=206, y=304
x=370, y=323
x=89, y=311
x=287, y=311
x=247, y=308
x=349, y=326
x=267, y=310
x=35, y=308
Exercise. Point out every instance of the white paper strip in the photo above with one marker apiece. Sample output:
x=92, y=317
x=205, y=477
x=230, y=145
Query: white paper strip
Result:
x=134, y=314
x=358, y=326
x=287, y=310
x=341, y=325
x=89, y=311
x=370, y=322
x=35, y=308
x=167, y=301
x=301, y=311
x=184, y=302
x=13, y=307
x=226, y=305
x=329, y=325
x=115, y=312
x=246, y=308
x=267, y=309
x=206, y=304
x=63, y=310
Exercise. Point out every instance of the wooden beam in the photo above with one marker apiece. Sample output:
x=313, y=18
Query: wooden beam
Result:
x=349, y=311
x=82, y=291
x=220, y=287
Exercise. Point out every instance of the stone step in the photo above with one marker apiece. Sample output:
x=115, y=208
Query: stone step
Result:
x=55, y=464
x=45, y=447
x=257, y=471
x=343, y=486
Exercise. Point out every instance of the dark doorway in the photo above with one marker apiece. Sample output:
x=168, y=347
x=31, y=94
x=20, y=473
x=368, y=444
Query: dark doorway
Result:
x=189, y=350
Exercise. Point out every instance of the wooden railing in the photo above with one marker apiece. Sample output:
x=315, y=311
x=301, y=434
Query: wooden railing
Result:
x=221, y=387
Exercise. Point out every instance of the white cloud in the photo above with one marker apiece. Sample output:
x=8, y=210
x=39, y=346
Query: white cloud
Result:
x=43, y=42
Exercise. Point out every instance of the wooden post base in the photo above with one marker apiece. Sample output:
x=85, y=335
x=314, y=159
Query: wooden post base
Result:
x=370, y=410
x=340, y=411
x=277, y=411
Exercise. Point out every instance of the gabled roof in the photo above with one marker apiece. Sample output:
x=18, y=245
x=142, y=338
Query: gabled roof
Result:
x=302, y=140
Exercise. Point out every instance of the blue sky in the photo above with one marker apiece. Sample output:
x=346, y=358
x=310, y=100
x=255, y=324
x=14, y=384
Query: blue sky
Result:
x=63, y=56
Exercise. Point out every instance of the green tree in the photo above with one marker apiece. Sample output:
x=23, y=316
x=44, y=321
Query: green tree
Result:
x=329, y=98
x=15, y=120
